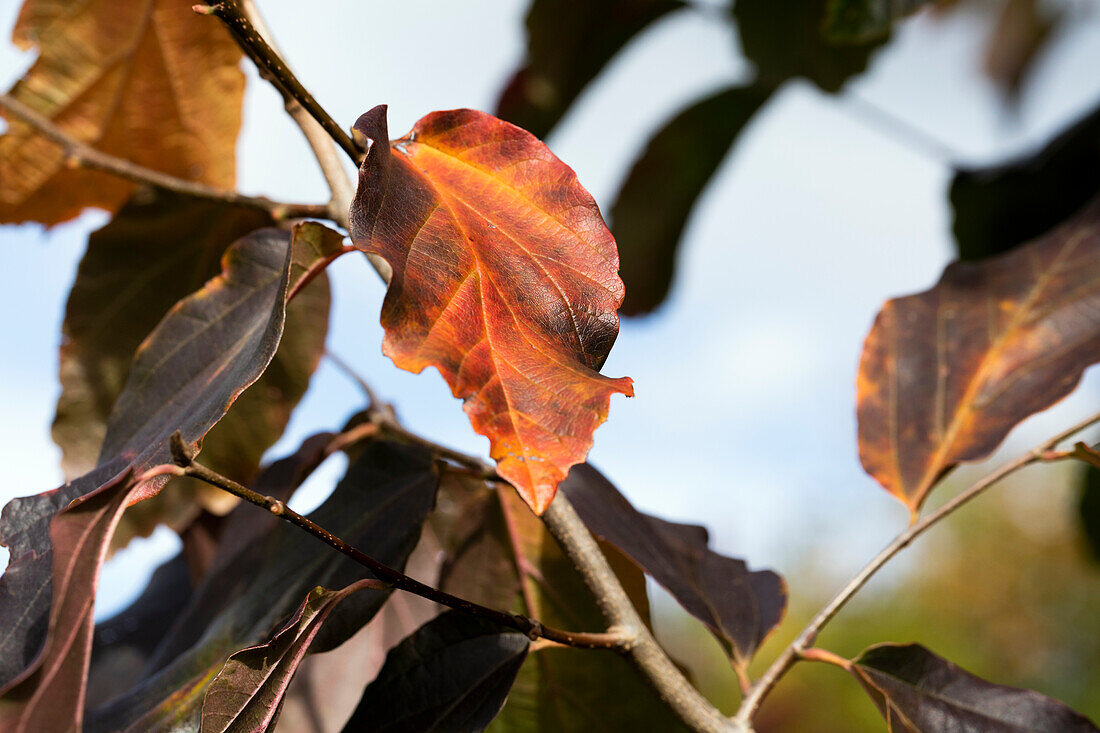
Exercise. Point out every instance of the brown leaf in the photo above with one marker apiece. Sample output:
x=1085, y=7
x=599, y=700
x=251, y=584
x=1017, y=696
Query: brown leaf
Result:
x=947, y=373
x=145, y=80
x=504, y=278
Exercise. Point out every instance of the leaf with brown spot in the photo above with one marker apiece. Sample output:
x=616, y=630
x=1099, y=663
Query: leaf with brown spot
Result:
x=505, y=278
x=145, y=80
x=917, y=691
x=947, y=373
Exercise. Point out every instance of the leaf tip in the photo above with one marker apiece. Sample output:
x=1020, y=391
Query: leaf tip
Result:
x=371, y=127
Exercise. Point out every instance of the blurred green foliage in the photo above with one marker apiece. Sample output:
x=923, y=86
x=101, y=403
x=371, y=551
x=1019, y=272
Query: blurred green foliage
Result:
x=1006, y=588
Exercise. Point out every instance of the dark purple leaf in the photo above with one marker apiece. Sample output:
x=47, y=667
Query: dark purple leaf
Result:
x=861, y=21
x=452, y=676
x=157, y=250
x=917, y=691
x=205, y=352
x=741, y=607
x=123, y=644
x=248, y=692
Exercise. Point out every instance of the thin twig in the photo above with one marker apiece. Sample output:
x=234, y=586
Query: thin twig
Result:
x=642, y=649
x=275, y=70
x=805, y=640
x=183, y=457
x=900, y=130
x=815, y=654
x=372, y=397
x=479, y=468
x=83, y=155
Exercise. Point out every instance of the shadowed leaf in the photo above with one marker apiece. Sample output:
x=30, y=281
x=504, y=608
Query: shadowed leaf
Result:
x=947, y=373
x=784, y=40
x=504, y=278
x=917, y=691
x=861, y=21
x=998, y=208
x=211, y=345
x=247, y=694
x=653, y=206
x=499, y=554
x=158, y=249
x=568, y=44
x=145, y=80
x=452, y=676
x=122, y=643
x=245, y=599
x=740, y=607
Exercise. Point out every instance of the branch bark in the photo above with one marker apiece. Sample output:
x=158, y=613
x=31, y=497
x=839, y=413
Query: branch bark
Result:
x=83, y=155
x=801, y=647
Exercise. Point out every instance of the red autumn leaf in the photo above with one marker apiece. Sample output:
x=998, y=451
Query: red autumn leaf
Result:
x=505, y=278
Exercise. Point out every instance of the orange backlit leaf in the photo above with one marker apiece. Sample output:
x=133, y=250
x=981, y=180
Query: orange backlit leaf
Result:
x=505, y=278
x=947, y=373
x=145, y=80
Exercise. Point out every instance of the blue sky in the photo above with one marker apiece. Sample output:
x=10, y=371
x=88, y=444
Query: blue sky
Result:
x=744, y=416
